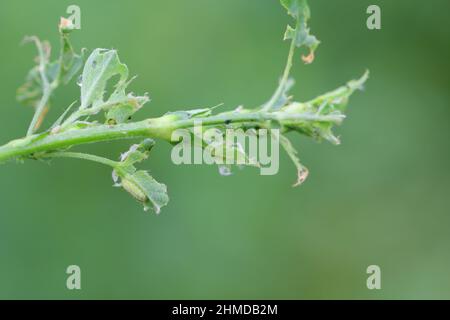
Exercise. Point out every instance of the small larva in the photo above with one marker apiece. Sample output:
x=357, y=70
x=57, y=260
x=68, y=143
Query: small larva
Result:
x=134, y=190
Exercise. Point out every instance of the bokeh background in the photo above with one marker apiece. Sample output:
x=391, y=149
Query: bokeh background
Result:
x=382, y=197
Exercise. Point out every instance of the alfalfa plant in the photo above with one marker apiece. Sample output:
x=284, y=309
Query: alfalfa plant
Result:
x=77, y=125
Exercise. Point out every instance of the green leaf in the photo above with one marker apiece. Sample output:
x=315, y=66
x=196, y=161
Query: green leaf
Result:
x=143, y=187
x=121, y=106
x=140, y=184
x=63, y=69
x=120, y=113
x=300, y=35
x=296, y=8
x=330, y=105
x=137, y=152
x=337, y=99
x=100, y=67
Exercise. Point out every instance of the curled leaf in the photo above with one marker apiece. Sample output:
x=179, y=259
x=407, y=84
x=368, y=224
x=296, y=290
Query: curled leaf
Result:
x=144, y=188
x=140, y=184
x=39, y=77
x=47, y=75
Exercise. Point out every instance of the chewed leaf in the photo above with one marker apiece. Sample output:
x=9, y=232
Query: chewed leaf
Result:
x=329, y=107
x=100, y=67
x=337, y=99
x=155, y=193
x=120, y=113
x=140, y=184
x=121, y=106
x=301, y=36
x=302, y=171
x=63, y=69
x=296, y=8
x=137, y=152
x=144, y=188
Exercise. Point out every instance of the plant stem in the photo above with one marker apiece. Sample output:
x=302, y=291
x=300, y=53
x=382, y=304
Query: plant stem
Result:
x=286, y=73
x=160, y=128
x=83, y=156
x=46, y=90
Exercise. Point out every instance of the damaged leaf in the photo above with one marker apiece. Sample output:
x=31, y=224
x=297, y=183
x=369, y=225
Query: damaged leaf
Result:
x=140, y=184
x=47, y=75
x=144, y=188
x=63, y=69
x=101, y=66
x=331, y=105
x=300, y=35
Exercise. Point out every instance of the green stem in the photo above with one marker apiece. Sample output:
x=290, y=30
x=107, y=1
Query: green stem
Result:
x=83, y=156
x=160, y=128
x=46, y=90
x=286, y=73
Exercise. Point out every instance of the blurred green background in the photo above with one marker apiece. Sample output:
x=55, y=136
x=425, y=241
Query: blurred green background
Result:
x=382, y=197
